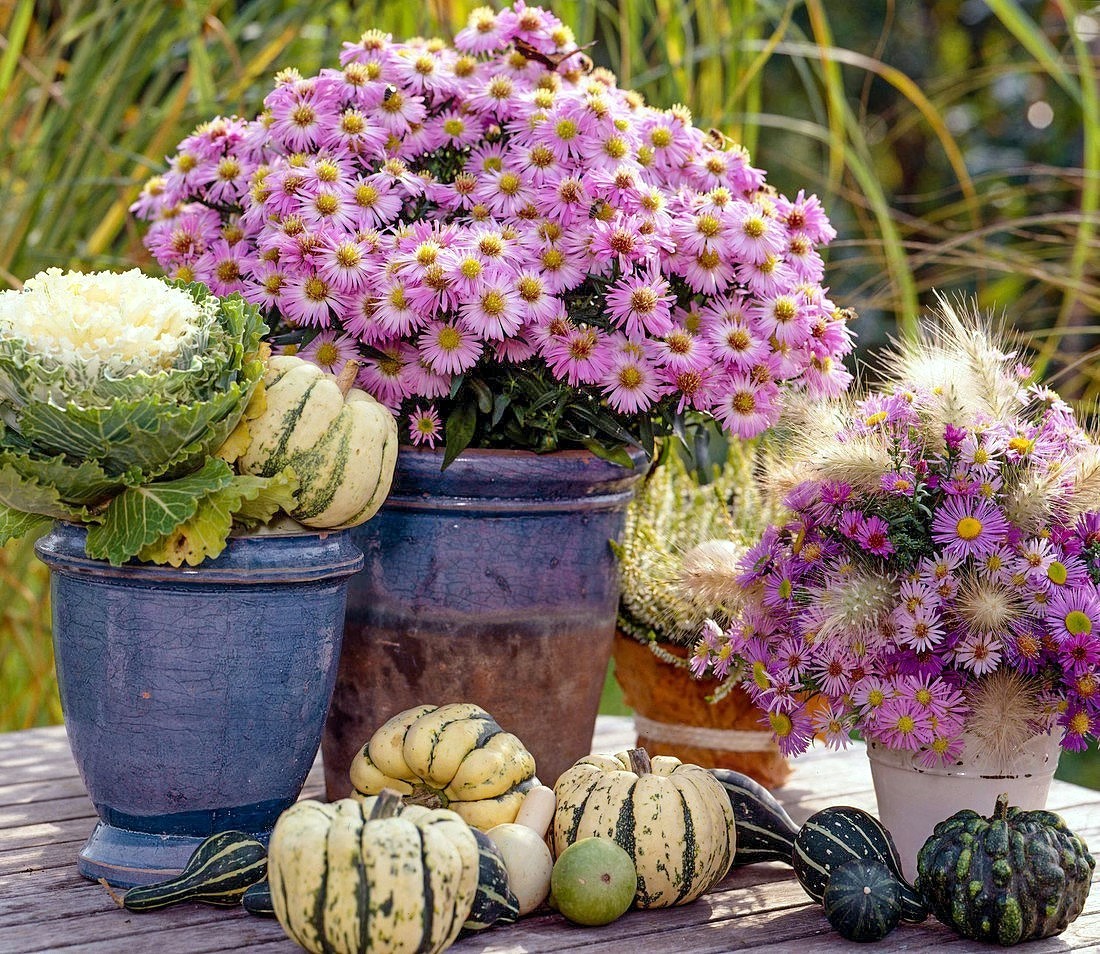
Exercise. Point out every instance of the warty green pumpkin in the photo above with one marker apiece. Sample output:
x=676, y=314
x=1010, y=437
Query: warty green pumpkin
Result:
x=355, y=877
x=1015, y=876
x=454, y=756
x=674, y=820
x=340, y=443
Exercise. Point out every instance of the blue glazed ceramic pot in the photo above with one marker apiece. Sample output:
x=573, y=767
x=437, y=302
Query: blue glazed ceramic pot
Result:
x=492, y=582
x=194, y=698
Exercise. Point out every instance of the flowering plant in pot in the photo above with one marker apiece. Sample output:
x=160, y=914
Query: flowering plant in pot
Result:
x=678, y=527
x=935, y=580
x=127, y=405
x=523, y=256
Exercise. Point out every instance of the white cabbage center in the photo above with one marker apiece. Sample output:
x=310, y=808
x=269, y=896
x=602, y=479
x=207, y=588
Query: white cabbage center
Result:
x=108, y=322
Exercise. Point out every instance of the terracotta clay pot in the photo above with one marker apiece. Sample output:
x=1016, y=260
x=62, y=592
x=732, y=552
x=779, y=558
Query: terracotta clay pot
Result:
x=673, y=717
x=492, y=582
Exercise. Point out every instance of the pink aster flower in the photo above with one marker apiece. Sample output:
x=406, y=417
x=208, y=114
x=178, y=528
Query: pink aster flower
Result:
x=969, y=526
x=978, y=652
x=424, y=426
x=641, y=304
x=793, y=730
x=449, y=348
x=872, y=535
x=833, y=725
x=902, y=724
x=331, y=351
x=744, y=407
x=631, y=383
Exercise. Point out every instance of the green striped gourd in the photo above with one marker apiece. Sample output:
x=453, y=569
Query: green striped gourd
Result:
x=257, y=900
x=765, y=832
x=454, y=756
x=674, y=820
x=862, y=900
x=355, y=877
x=340, y=442
x=494, y=902
x=839, y=834
x=1016, y=876
x=218, y=872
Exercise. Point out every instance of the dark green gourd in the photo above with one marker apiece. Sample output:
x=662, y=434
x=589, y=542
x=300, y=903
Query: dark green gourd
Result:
x=863, y=900
x=257, y=899
x=1017, y=876
x=494, y=902
x=765, y=832
x=219, y=871
x=839, y=834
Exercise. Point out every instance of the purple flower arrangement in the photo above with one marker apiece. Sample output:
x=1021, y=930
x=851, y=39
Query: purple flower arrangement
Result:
x=517, y=251
x=937, y=573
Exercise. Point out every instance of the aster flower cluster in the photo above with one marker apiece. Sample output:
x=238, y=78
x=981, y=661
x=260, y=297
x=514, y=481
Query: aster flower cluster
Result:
x=517, y=251
x=940, y=555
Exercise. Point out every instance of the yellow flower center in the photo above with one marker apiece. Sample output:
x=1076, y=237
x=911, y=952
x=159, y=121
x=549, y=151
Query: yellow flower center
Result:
x=660, y=137
x=1057, y=573
x=493, y=303
x=328, y=354
x=448, y=339
x=875, y=419
x=969, y=528
x=630, y=377
x=744, y=402
x=1078, y=623
x=905, y=724
x=781, y=724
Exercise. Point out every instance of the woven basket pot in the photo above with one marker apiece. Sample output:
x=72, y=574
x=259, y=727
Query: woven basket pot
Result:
x=673, y=717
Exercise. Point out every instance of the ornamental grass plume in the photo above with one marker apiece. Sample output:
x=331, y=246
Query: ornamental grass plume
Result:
x=524, y=254
x=116, y=392
x=937, y=568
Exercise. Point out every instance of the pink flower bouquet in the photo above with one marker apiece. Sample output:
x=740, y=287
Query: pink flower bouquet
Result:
x=517, y=251
x=938, y=570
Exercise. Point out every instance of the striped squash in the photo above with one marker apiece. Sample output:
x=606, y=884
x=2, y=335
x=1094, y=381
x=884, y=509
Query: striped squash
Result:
x=839, y=834
x=674, y=820
x=356, y=877
x=862, y=901
x=218, y=872
x=340, y=443
x=257, y=900
x=454, y=756
x=765, y=832
x=494, y=902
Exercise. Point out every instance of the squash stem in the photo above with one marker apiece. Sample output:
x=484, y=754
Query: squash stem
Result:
x=640, y=762
x=346, y=378
x=1000, y=812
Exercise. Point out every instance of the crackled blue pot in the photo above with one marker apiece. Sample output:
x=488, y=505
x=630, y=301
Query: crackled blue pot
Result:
x=194, y=698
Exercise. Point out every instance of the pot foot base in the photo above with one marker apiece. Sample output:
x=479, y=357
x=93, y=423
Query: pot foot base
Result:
x=125, y=858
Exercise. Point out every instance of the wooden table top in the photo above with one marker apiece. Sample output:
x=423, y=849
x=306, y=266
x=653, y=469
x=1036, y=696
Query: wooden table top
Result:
x=45, y=816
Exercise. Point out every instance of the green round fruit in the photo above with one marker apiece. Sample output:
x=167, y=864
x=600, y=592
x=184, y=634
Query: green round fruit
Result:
x=593, y=882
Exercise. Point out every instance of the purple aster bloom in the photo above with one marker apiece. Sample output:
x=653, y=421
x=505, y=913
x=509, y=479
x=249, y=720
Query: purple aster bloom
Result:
x=968, y=526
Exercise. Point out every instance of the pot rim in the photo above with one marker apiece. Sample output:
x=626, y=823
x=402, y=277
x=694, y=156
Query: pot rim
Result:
x=248, y=559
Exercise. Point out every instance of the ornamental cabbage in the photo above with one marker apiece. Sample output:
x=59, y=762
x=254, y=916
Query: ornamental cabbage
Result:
x=116, y=391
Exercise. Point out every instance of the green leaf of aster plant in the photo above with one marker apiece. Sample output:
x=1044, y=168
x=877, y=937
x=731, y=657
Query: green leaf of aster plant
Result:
x=140, y=516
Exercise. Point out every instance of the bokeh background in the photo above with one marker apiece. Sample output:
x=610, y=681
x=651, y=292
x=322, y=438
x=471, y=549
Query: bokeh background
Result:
x=955, y=144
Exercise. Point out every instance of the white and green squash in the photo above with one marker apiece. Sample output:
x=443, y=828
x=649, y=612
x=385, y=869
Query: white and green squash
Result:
x=674, y=820
x=454, y=756
x=356, y=877
x=340, y=442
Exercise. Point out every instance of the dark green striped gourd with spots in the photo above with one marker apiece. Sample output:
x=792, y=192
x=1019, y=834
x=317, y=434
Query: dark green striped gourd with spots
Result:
x=356, y=877
x=840, y=834
x=218, y=872
x=674, y=820
x=862, y=900
x=257, y=900
x=1016, y=876
x=340, y=443
x=765, y=832
x=494, y=902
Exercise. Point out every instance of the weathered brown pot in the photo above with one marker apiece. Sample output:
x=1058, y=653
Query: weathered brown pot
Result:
x=672, y=706
x=491, y=582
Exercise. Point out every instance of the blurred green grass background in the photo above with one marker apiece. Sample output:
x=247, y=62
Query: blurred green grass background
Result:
x=956, y=146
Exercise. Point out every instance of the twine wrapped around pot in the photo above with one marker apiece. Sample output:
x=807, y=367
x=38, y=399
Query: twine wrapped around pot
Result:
x=673, y=717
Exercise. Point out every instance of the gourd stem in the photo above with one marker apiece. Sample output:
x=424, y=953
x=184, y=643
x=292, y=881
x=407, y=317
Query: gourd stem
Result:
x=346, y=378
x=387, y=805
x=640, y=763
x=1000, y=812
